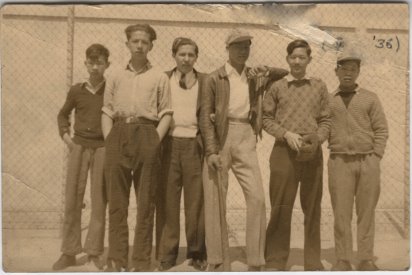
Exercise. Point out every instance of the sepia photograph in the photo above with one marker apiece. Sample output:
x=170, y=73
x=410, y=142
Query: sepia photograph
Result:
x=205, y=137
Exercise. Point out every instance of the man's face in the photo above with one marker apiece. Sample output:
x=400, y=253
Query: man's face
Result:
x=139, y=44
x=298, y=60
x=239, y=52
x=185, y=58
x=96, y=66
x=347, y=73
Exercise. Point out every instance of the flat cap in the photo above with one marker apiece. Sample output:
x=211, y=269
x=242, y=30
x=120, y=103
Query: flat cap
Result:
x=237, y=35
x=348, y=55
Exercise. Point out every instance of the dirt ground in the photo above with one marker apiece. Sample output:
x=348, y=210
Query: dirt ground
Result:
x=37, y=250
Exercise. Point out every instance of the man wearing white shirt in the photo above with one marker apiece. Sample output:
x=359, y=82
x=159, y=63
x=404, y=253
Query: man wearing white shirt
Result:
x=182, y=164
x=230, y=120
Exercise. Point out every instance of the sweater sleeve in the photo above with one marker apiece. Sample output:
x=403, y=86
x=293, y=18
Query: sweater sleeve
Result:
x=324, y=119
x=379, y=126
x=269, y=112
x=63, y=118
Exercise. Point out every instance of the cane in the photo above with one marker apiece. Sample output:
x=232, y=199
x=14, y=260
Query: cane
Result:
x=223, y=224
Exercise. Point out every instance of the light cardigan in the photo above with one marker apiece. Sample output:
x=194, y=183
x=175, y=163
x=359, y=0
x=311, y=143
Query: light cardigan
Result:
x=360, y=128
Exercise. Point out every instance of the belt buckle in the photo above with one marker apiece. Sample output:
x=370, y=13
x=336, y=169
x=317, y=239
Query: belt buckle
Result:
x=129, y=119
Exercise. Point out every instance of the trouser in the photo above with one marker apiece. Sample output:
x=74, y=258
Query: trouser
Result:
x=354, y=178
x=239, y=154
x=132, y=154
x=182, y=168
x=81, y=160
x=285, y=175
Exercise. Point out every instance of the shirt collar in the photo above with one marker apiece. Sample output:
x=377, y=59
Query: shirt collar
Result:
x=145, y=68
x=230, y=70
x=178, y=73
x=93, y=89
x=291, y=78
x=338, y=90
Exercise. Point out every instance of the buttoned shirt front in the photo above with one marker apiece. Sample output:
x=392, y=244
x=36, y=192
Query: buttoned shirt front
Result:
x=239, y=104
x=145, y=93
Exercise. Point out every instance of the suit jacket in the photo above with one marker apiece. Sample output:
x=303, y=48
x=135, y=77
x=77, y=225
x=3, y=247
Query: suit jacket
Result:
x=215, y=100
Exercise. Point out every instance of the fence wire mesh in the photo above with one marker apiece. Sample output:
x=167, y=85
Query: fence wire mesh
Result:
x=35, y=71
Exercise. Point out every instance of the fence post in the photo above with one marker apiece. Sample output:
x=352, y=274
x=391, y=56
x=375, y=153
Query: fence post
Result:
x=406, y=189
x=69, y=81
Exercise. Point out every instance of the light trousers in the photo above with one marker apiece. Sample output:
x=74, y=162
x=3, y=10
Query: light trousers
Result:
x=238, y=154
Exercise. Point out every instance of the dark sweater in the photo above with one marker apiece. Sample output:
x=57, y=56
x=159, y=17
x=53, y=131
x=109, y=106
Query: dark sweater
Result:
x=87, y=120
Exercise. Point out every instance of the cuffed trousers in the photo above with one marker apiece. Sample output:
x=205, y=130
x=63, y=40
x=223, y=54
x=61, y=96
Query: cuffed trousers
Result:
x=285, y=175
x=81, y=160
x=354, y=178
x=238, y=154
x=132, y=154
x=182, y=169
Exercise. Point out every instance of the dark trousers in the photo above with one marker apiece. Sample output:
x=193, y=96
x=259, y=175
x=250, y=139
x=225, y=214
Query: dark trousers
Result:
x=285, y=175
x=81, y=161
x=181, y=169
x=132, y=154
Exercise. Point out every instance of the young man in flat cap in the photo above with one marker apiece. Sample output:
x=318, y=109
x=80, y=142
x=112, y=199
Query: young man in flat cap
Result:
x=357, y=142
x=296, y=113
x=230, y=119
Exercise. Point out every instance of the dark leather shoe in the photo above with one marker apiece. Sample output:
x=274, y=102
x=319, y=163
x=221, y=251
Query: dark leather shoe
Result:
x=367, y=266
x=96, y=261
x=164, y=266
x=64, y=261
x=199, y=264
x=342, y=265
x=215, y=267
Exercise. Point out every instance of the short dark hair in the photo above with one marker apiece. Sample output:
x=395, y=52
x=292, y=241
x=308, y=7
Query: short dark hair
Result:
x=141, y=27
x=180, y=41
x=94, y=51
x=298, y=43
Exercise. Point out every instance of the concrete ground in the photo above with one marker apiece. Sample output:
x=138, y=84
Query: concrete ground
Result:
x=37, y=250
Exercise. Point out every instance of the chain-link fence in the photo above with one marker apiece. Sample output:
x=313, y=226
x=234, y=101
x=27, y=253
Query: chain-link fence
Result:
x=36, y=66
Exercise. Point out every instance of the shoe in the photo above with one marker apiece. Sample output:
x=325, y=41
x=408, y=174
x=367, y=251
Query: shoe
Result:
x=114, y=266
x=367, y=265
x=198, y=264
x=64, y=261
x=215, y=267
x=254, y=268
x=164, y=266
x=342, y=265
x=94, y=261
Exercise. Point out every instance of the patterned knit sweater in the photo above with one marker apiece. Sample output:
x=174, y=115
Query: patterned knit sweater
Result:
x=360, y=128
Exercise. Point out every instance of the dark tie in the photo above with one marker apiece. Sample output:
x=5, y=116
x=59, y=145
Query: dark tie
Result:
x=182, y=82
